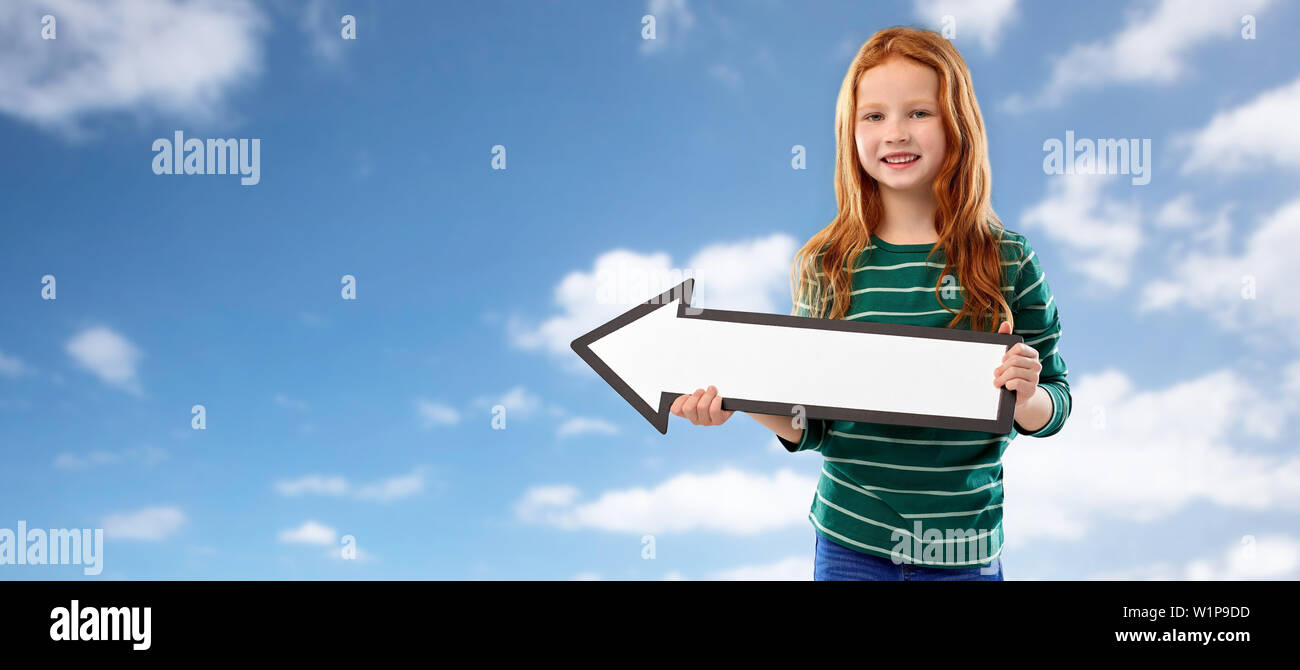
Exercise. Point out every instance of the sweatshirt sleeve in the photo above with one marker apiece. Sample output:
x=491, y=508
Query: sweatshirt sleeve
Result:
x=815, y=429
x=1037, y=320
x=811, y=440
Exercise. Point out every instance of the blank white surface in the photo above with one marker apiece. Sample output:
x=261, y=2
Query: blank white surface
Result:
x=805, y=366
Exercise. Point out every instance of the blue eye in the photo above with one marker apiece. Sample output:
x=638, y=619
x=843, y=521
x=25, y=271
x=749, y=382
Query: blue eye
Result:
x=921, y=111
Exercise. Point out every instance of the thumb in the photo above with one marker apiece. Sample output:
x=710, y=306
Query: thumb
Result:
x=1005, y=328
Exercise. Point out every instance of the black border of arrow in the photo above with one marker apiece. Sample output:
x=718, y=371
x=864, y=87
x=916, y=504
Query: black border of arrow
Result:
x=658, y=417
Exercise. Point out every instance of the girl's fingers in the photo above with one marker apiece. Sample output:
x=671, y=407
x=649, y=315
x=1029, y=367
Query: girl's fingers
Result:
x=1028, y=376
x=716, y=415
x=706, y=407
x=702, y=408
x=688, y=405
x=1018, y=362
x=1021, y=349
x=689, y=408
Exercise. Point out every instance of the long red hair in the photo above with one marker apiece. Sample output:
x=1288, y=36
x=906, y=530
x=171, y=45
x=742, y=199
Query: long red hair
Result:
x=968, y=228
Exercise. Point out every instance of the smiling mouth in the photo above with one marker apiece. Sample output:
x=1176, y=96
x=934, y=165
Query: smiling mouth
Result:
x=901, y=160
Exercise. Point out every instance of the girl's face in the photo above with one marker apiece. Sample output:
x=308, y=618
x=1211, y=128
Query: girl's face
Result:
x=897, y=116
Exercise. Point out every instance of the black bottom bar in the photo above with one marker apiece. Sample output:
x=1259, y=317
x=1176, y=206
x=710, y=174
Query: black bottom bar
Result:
x=986, y=619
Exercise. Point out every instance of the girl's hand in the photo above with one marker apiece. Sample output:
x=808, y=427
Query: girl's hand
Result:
x=703, y=408
x=1019, y=369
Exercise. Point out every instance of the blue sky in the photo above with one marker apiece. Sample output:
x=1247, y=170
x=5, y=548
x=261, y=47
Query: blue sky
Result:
x=372, y=417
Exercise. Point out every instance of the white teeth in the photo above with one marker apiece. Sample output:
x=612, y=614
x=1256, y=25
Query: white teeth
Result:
x=902, y=160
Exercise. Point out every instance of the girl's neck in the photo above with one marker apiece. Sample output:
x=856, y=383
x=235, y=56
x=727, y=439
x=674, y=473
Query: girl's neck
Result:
x=908, y=217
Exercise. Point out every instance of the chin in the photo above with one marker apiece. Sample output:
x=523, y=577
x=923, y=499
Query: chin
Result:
x=901, y=184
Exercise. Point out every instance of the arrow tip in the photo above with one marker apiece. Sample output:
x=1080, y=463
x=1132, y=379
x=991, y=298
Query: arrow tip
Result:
x=657, y=416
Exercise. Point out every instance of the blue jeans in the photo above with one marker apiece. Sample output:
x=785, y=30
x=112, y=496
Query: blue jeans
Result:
x=835, y=562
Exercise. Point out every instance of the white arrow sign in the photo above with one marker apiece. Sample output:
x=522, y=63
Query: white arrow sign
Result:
x=777, y=364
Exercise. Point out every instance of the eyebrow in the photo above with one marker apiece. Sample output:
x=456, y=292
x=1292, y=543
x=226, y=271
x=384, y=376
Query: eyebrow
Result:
x=913, y=101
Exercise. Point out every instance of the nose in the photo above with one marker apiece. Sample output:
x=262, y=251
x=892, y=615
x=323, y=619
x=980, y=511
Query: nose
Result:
x=895, y=133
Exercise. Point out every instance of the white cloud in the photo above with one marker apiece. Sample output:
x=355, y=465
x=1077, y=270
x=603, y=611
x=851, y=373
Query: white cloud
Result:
x=393, y=488
x=1270, y=557
x=310, y=532
x=312, y=484
x=1152, y=48
x=1178, y=213
x=360, y=555
x=751, y=275
x=794, y=568
x=108, y=355
x=726, y=75
x=1101, y=234
x=673, y=20
x=1258, y=135
x=1290, y=376
x=982, y=20
x=1217, y=283
x=1188, y=227
x=519, y=401
x=580, y=425
x=1182, y=215
x=542, y=498
x=435, y=414
x=144, y=455
x=1132, y=455
x=125, y=56
x=11, y=366
x=321, y=23
x=727, y=501
x=384, y=490
x=150, y=523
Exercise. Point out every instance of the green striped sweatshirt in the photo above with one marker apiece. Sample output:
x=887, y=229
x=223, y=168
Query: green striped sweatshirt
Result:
x=928, y=496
